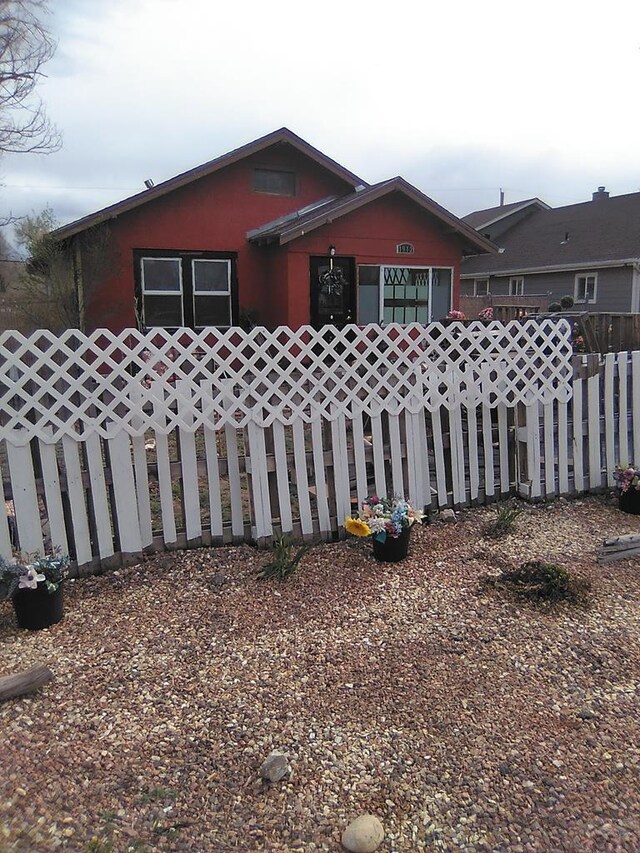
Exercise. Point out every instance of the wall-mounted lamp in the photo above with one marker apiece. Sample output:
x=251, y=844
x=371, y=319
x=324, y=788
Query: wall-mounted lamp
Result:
x=332, y=251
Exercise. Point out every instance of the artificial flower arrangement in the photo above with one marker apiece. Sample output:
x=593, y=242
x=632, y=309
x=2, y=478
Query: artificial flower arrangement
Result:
x=627, y=477
x=486, y=314
x=50, y=570
x=454, y=314
x=381, y=518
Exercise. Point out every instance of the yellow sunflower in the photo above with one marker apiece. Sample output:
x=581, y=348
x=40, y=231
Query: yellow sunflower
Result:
x=357, y=527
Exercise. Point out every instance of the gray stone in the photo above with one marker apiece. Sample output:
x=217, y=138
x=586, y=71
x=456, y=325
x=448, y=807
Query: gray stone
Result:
x=363, y=835
x=586, y=714
x=448, y=515
x=275, y=767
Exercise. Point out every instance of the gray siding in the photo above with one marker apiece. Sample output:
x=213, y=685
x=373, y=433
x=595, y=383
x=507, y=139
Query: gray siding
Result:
x=613, y=292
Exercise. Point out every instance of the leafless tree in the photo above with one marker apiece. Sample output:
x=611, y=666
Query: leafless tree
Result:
x=25, y=46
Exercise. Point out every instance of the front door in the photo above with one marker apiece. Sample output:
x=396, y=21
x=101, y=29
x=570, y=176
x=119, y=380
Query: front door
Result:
x=332, y=291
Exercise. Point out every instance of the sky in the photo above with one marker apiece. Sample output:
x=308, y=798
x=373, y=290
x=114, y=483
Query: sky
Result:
x=461, y=99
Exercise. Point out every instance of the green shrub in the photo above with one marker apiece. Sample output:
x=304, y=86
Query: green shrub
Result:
x=284, y=560
x=503, y=523
x=542, y=581
x=566, y=302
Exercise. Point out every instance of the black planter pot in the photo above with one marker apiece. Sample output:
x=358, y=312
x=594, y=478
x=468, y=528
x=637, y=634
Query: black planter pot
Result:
x=393, y=549
x=38, y=608
x=629, y=501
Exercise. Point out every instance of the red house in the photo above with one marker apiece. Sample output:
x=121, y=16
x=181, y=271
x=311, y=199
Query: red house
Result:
x=275, y=232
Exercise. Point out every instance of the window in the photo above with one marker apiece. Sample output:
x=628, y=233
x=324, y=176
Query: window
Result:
x=585, y=288
x=516, y=286
x=481, y=286
x=403, y=294
x=274, y=181
x=191, y=289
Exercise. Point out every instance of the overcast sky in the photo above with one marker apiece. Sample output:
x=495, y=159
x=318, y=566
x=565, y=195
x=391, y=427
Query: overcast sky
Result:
x=460, y=98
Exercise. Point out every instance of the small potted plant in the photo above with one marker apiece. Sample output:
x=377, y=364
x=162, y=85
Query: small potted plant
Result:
x=35, y=588
x=388, y=523
x=627, y=478
x=486, y=315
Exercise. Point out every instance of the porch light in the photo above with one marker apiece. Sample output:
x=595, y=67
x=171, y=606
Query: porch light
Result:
x=332, y=251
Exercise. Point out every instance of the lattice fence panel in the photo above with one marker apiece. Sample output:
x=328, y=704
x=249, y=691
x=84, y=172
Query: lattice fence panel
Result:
x=104, y=383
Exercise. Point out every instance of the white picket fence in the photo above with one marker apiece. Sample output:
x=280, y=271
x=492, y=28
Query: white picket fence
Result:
x=115, y=444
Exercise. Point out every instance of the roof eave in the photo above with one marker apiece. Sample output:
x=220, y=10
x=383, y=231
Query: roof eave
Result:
x=579, y=265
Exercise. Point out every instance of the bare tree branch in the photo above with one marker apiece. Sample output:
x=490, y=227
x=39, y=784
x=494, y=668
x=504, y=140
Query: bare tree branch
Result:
x=25, y=46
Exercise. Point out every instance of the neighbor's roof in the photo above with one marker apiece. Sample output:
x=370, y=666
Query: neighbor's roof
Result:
x=484, y=218
x=307, y=219
x=283, y=135
x=596, y=232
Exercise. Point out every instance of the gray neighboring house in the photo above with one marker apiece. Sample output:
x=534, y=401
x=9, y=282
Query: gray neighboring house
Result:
x=590, y=251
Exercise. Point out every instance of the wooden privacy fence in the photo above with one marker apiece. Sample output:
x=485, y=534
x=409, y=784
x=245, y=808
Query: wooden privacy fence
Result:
x=116, y=444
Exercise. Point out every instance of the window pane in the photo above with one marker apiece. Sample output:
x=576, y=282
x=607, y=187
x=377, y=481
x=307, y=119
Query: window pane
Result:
x=388, y=292
x=163, y=311
x=388, y=315
x=410, y=292
x=368, y=276
x=409, y=315
x=368, y=307
x=161, y=274
x=212, y=311
x=423, y=313
x=211, y=276
x=398, y=315
x=274, y=181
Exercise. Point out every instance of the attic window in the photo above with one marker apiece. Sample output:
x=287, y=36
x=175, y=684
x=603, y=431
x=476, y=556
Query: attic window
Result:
x=274, y=181
x=405, y=249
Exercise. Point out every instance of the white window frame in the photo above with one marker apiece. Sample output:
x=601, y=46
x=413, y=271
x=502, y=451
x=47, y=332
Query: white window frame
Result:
x=215, y=293
x=516, y=285
x=384, y=267
x=150, y=292
x=476, y=291
x=585, y=292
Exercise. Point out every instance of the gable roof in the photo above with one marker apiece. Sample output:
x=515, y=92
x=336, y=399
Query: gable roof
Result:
x=484, y=218
x=604, y=231
x=283, y=135
x=307, y=219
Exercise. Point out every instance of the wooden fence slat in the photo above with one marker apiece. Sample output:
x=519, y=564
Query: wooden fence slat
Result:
x=487, y=452
x=578, y=440
x=77, y=501
x=340, y=467
x=124, y=494
x=457, y=455
x=25, y=498
x=233, y=465
x=259, y=483
x=563, y=444
x=99, y=497
x=593, y=435
x=378, y=455
x=397, y=478
x=623, y=407
x=503, y=445
x=282, y=477
x=165, y=482
x=438, y=452
x=53, y=497
x=359, y=456
x=213, y=481
x=188, y=464
x=532, y=420
x=609, y=417
x=549, y=451
x=6, y=549
x=302, y=480
x=472, y=447
x=322, y=499
x=635, y=392
x=141, y=472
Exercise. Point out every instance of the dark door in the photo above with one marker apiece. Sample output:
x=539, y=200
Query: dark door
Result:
x=332, y=291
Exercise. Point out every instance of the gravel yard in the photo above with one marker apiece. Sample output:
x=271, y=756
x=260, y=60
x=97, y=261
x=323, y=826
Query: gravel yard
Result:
x=464, y=719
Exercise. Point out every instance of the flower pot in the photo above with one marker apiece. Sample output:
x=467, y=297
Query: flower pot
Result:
x=629, y=501
x=393, y=549
x=38, y=608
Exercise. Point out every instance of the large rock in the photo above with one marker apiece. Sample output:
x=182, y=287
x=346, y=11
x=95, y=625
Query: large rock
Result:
x=275, y=767
x=363, y=835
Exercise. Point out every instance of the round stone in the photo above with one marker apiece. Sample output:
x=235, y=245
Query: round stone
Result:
x=363, y=835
